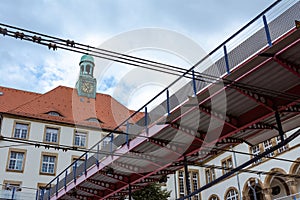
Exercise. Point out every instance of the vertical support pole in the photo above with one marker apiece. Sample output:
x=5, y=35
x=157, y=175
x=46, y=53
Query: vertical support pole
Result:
x=226, y=60
x=49, y=192
x=237, y=173
x=168, y=102
x=42, y=194
x=279, y=126
x=187, y=182
x=111, y=143
x=129, y=192
x=146, y=120
x=267, y=30
x=97, y=156
x=13, y=193
x=85, y=164
x=65, y=179
x=127, y=134
x=56, y=187
x=194, y=83
x=37, y=194
x=74, y=171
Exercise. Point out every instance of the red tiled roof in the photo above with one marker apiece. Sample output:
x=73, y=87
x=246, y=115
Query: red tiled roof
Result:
x=73, y=108
x=11, y=98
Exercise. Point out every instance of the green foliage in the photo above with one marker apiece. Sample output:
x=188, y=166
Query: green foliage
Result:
x=151, y=192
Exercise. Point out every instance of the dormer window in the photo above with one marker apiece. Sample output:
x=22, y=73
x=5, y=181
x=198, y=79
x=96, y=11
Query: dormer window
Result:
x=94, y=119
x=54, y=113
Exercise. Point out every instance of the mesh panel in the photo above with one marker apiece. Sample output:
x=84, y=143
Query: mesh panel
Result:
x=285, y=21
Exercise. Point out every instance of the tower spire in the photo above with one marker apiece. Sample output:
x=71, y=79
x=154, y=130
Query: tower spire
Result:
x=86, y=84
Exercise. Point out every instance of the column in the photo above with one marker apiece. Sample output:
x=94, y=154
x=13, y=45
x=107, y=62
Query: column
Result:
x=267, y=192
x=292, y=183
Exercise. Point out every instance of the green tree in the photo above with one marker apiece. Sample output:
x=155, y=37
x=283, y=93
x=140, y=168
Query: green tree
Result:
x=151, y=192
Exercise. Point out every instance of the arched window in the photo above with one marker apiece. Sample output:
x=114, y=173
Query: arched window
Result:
x=232, y=194
x=213, y=197
x=88, y=69
x=94, y=119
x=82, y=69
x=54, y=113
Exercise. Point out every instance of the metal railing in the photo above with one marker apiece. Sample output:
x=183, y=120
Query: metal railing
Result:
x=258, y=34
x=290, y=197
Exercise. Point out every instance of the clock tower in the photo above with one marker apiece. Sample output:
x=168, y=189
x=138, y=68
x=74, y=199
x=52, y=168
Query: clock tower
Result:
x=86, y=84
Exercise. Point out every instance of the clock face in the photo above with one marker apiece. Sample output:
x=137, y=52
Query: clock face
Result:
x=87, y=87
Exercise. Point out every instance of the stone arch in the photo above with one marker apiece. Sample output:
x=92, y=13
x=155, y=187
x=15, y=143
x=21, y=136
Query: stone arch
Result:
x=213, y=197
x=269, y=177
x=274, y=179
x=295, y=183
x=246, y=188
x=295, y=167
x=228, y=190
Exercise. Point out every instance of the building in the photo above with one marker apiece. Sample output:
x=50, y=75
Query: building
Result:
x=276, y=176
x=42, y=134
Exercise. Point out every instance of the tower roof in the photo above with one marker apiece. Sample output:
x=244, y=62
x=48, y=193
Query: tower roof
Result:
x=86, y=58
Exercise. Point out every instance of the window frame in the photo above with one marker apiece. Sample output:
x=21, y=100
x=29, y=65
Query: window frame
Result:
x=55, y=163
x=255, y=154
x=270, y=143
x=210, y=174
x=230, y=189
x=24, y=151
x=224, y=171
x=216, y=197
x=45, y=133
x=73, y=158
x=82, y=133
x=105, y=140
x=14, y=128
x=5, y=182
x=283, y=148
x=191, y=171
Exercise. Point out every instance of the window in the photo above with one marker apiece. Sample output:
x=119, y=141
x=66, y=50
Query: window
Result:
x=232, y=194
x=42, y=188
x=267, y=145
x=213, y=197
x=281, y=149
x=195, y=184
x=10, y=185
x=210, y=175
x=80, y=139
x=79, y=161
x=93, y=119
x=48, y=163
x=255, y=150
x=88, y=69
x=193, y=180
x=106, y=142
x=181, y=183
x=21, y=130
x=226, y=165
x=16, y=160
x=51, y=135
x=54, y=113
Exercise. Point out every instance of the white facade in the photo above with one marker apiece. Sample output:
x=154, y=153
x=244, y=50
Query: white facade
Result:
x=268, y=183
x=30, y=177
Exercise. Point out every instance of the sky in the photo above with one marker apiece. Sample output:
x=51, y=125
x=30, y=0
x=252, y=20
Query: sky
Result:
x=115, y=25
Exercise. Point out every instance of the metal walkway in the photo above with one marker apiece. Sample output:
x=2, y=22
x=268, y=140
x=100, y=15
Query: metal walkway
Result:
x=249, y=94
